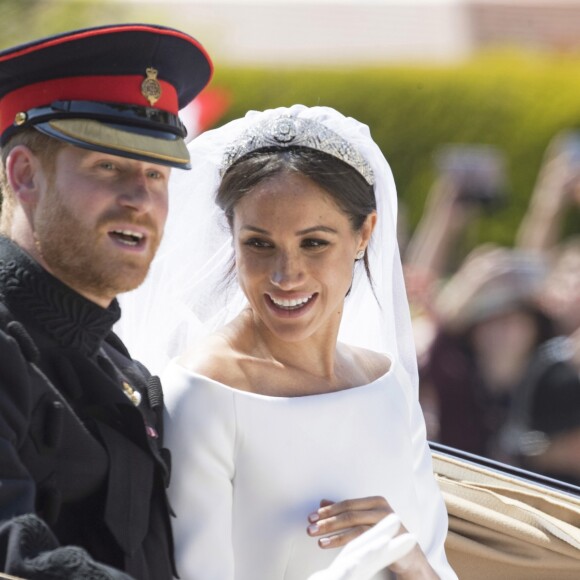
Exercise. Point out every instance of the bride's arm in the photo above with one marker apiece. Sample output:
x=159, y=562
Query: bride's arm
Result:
x=200, y=436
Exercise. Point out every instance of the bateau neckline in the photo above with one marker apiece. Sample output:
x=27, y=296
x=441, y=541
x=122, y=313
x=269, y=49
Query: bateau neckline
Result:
x=176, y=365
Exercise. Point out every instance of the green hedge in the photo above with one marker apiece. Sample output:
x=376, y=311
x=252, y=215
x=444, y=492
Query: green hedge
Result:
x=514, y=101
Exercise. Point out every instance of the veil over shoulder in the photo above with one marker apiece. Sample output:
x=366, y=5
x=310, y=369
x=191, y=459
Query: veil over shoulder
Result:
x=185, y=295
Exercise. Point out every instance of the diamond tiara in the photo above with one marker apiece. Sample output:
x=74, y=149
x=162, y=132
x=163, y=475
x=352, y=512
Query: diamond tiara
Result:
x=286, y=131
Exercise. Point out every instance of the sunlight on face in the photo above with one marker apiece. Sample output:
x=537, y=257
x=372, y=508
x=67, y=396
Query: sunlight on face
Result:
x=295, y=251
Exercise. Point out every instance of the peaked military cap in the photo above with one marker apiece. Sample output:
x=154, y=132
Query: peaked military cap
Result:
x=116, y=89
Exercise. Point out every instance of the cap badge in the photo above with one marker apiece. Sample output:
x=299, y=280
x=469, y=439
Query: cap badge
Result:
x=20, y=118
x=150, y=87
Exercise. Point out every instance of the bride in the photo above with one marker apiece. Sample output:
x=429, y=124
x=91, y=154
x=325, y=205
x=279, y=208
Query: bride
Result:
x=277, y=314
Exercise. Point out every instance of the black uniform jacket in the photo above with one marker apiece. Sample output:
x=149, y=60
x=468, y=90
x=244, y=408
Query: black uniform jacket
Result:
x=81, y=457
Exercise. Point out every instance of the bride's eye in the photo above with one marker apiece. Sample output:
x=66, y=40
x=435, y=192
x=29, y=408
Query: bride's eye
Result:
x=314, y=243
x=257, y=243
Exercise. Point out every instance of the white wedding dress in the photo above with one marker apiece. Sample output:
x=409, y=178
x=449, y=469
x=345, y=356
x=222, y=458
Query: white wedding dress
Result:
x=248, y=469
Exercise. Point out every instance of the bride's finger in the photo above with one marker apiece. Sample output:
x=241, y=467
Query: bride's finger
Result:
x=342, y=538
x=352, y=516
x=330, y=508
x=357, y=522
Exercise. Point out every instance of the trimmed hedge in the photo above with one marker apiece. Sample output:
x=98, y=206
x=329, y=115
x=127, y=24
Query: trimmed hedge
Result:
x=514, y=101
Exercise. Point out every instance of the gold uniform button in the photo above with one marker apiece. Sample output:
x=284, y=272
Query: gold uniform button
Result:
x=133, y=395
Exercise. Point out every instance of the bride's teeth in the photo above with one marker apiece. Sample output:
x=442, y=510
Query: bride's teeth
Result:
x=290, y=303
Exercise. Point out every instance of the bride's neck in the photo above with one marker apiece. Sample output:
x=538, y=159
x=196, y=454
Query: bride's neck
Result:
x=315, y=355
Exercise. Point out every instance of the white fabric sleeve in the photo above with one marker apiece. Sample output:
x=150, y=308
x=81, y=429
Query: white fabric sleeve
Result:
x=201, y=437
x=432, y=524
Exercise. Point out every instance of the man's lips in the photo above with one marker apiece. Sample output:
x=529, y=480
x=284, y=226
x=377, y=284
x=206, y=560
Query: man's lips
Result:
x=128, y=237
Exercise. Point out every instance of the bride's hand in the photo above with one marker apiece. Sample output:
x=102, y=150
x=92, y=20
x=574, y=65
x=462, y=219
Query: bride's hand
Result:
x=336, y=524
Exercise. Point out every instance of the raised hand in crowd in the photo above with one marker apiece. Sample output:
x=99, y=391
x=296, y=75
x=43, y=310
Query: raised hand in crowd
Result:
x=556, y=190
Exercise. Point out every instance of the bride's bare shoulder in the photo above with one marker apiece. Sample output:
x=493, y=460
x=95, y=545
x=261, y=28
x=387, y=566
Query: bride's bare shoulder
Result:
x=373, y=364
x=216, y=358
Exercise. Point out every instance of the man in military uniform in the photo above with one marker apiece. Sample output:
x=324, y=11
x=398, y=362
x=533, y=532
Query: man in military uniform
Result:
x=89, y=132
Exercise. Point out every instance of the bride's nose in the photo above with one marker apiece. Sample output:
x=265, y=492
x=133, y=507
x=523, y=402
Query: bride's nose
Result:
x=287, y=270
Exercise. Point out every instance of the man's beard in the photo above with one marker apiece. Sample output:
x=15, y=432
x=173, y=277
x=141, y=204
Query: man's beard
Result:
x=80, y=255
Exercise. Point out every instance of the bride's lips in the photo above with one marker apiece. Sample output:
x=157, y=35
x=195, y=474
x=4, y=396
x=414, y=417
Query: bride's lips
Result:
x=290, y=307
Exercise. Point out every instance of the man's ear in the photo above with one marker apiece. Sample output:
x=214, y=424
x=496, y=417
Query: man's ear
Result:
x=24, y=175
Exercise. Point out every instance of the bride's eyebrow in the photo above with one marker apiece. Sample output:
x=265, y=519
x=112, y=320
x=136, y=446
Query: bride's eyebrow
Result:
x=313, y=229
x=256, y=230
x=325, y=229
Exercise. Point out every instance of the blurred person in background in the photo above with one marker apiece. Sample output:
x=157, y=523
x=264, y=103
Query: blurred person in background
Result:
x=489, y=331
x=544, y=427
x=427, y=256
x=470, y=181
x=488, y=385
x=556, y=192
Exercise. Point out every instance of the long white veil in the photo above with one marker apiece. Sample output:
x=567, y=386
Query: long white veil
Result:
x=184, y=296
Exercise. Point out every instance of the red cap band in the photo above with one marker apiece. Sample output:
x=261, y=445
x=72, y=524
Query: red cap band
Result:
x=105, y=89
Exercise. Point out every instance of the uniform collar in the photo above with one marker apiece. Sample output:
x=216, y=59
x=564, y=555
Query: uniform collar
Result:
x=40, y=300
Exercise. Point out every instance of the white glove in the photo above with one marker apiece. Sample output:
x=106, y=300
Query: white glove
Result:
x=371, y=552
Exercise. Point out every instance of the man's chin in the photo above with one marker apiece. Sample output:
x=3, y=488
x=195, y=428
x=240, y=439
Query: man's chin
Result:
x=103, y=288
x=132, y=279
x=133, y=285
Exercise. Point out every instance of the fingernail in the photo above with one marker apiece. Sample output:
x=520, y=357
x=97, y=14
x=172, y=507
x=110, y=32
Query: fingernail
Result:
x=313, y=529
x=313, y=517
x=324, y=541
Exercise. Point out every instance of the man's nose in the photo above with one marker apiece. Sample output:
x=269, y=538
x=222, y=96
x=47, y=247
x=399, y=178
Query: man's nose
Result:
x=136, y=194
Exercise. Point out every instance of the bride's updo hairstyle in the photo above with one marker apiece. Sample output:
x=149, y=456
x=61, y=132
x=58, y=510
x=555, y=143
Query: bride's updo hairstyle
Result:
x=347, y=187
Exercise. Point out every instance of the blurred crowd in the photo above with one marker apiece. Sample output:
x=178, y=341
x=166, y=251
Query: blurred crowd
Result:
x=498, y=336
